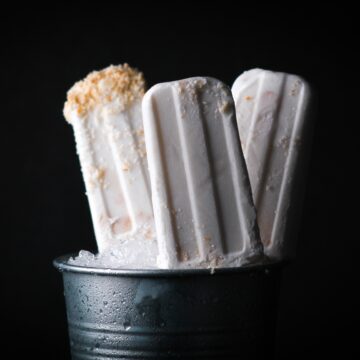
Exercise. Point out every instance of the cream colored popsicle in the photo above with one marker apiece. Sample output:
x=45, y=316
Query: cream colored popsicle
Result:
x=273, y=112
x=105, y=112
x=203, y=208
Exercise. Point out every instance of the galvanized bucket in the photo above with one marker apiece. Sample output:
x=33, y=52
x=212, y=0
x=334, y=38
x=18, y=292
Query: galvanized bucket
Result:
x=171, y=314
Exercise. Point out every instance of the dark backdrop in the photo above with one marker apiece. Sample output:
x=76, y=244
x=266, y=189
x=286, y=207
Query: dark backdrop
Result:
x=46, y=212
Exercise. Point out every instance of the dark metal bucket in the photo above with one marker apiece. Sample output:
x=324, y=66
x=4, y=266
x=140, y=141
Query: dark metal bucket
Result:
x=171, y=314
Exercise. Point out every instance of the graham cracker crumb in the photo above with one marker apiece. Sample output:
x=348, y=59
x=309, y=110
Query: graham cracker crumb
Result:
x=121, y=82
x=100, y=174
x=120, y=225
x=184, y=256
x=125, y=166
x=96, y=176
x=225, y=107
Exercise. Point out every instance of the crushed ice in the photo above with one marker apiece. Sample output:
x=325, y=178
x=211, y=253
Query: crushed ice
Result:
x=110, y=259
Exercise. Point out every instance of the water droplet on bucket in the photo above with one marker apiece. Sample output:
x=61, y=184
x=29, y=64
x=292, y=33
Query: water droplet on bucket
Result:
x=127, y=325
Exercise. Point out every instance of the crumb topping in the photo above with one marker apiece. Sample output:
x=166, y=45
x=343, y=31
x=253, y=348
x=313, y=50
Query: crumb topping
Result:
x=121, y=83
x=225, y=107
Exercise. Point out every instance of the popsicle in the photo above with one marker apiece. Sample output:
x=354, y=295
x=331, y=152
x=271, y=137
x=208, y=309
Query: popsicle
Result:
x=105, y=112
x=274, y=120
x=203, y=208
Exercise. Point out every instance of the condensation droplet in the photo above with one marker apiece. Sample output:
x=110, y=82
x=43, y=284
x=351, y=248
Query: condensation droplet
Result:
x=127, y=325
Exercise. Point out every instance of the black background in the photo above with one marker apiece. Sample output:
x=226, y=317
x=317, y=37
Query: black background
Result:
x=45, y=210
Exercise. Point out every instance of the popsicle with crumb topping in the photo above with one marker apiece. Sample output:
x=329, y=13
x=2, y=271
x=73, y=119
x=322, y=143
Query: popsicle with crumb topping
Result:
x=203, y=209
x=105, y=112
x=274, y=112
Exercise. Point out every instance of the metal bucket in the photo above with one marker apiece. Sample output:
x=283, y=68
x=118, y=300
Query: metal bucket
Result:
x=171, y=314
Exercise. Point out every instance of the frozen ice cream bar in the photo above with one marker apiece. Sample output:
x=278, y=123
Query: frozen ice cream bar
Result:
x=105, y=112
x=273, y=119
x=203, y=208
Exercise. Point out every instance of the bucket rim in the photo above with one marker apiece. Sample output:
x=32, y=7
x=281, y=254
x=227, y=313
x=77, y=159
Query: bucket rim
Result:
x=61, y=263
